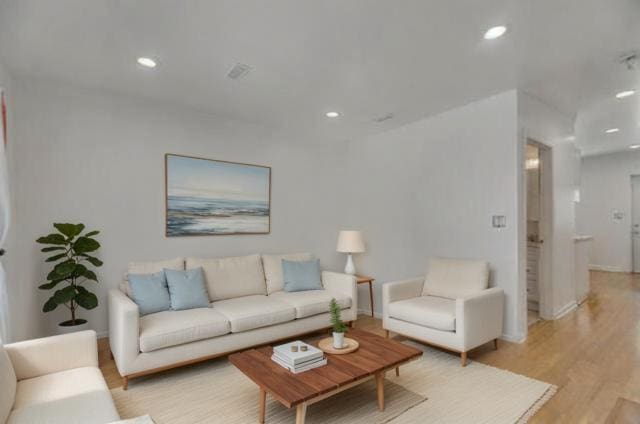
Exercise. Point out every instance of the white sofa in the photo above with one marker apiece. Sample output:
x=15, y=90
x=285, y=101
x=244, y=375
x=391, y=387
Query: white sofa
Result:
x=54, y=380
x=452, y=307
x=248, y=308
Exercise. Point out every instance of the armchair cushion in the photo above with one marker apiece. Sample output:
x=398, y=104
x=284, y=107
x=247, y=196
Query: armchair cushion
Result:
x=453, y=278
x=8, y=379
x=429, y=311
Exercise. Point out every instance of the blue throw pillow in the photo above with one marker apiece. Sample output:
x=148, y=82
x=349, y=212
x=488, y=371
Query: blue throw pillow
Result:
x=301, y=275
x=187, y=289
x=150, y=292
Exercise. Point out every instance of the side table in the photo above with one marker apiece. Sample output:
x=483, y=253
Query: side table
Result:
x=363, y=279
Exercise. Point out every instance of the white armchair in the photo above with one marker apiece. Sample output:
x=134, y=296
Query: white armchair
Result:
x=452, y=307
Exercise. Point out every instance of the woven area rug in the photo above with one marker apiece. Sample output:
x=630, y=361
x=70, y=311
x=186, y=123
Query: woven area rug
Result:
x=434, y=389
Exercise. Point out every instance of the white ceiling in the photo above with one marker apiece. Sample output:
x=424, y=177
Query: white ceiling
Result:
x=364, y=58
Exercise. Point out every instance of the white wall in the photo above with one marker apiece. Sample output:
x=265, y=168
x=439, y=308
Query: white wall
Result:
x=430, y=188
x=92, y=157
x=605, y=188
x=546, y=125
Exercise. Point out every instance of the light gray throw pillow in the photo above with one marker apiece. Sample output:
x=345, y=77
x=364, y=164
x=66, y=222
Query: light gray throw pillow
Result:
x=187, y=289
x=301, y=275
x=150, y=292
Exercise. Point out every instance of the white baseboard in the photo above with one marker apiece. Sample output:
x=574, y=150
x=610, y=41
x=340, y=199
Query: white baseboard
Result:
x=565, y=310
x=606, y=268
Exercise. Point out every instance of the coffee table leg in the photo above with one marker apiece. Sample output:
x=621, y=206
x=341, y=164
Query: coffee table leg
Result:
x=380, y=390
x=263, y=401
x=301, y=413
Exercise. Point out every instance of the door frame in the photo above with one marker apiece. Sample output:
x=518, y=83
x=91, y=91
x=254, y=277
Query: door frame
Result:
x=545, y=302
x=631, y=218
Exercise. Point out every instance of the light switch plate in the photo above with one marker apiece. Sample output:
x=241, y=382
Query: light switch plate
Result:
x=499, y=221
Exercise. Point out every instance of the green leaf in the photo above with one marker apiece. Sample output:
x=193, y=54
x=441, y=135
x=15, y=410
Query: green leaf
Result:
x=52, y=248
x=52, y=239
x=62, y=270
x=92, y=233
x=85, y=245
x=90, y=275
x=50, y=305
x=69, y=230
x=87, y=299
x=93, y=260
x=50, y=285
x=79, y=270
x=56, y=257
x=65, y=295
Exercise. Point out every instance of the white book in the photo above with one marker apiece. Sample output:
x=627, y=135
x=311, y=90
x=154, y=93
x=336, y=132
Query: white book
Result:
x=296, y=370
x=294, y=358
x=299, y=364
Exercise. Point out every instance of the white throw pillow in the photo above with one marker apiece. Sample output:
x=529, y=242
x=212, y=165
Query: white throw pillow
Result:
x=150, y=267
x=273, y=268
x=455, y=278
x=228, y=278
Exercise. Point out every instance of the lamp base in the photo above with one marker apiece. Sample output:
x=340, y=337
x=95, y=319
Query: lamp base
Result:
x=350, y=268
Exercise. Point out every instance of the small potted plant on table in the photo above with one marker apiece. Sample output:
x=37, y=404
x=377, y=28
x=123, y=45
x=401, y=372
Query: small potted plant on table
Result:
x=72, y=257
x=339, y=327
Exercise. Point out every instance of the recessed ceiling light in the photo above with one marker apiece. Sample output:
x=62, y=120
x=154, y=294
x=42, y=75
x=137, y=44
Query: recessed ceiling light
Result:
x=495, y=32
x=623, y=94
x=147, y=62
x=332, y=114
x=612, y=130
x=635, y=146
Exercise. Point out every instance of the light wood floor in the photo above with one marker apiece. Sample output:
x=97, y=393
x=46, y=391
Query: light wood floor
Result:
x=591, y=354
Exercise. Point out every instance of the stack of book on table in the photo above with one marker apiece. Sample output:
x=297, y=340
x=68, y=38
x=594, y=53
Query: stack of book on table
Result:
x=298, y=356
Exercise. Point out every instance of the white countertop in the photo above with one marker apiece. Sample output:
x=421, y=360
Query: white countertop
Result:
x=582, y=238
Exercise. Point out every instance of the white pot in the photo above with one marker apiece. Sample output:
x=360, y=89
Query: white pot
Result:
x=65, y=329
x=338, y=340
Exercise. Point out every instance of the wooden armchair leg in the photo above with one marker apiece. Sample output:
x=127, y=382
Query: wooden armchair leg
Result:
x=463, y=359
x=495, y=344
x=386, y=333
x=397, y=371
x=125, y=382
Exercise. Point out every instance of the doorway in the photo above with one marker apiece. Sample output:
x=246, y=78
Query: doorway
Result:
x=635, y=222
x=538, y=211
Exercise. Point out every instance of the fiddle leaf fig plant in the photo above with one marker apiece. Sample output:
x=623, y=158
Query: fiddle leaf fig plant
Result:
x=73, y=254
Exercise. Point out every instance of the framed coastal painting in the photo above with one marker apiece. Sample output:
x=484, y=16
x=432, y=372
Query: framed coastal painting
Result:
x=214, y=197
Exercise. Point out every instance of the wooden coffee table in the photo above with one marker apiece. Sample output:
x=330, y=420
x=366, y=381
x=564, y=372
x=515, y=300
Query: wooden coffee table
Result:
x=375, y=356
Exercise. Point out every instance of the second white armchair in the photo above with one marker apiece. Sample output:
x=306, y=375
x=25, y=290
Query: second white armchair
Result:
x=453, y=307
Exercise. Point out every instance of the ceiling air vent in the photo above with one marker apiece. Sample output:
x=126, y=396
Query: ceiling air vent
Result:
x=238, y=71
x=383, y=118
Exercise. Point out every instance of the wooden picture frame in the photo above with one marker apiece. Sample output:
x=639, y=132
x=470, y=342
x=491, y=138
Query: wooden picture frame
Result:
x=205, y=197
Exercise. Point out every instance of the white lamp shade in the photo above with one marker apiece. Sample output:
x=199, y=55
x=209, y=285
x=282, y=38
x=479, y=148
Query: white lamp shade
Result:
x=350, y=241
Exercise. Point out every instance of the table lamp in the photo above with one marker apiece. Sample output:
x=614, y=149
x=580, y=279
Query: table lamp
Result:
x=349, y=242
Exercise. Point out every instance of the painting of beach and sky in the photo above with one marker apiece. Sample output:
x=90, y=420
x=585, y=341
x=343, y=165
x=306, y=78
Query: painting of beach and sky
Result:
x=209, y=197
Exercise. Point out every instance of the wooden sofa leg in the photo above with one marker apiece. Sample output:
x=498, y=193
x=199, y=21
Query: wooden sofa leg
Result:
x=463, y=359
x=386, y=333
x=125, y=382
x=495, y=344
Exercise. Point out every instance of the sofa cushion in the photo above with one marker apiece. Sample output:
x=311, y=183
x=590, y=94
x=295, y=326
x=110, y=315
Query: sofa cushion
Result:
x=273, y=268
x=453, y=278
x=311, y=302
x=150, y=292
x=172, y=328
x=187, y=289
x=249, y=312
x=8, y=379
x=301, y=275
x=228, y=278
x=78, y=395
x=149, y=268
x=429, y=311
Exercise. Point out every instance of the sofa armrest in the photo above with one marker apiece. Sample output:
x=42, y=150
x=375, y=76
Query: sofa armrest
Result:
x=479, y=317
x=34, y=358
x=345, y=284
x=124, y=330
x=400, y=290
